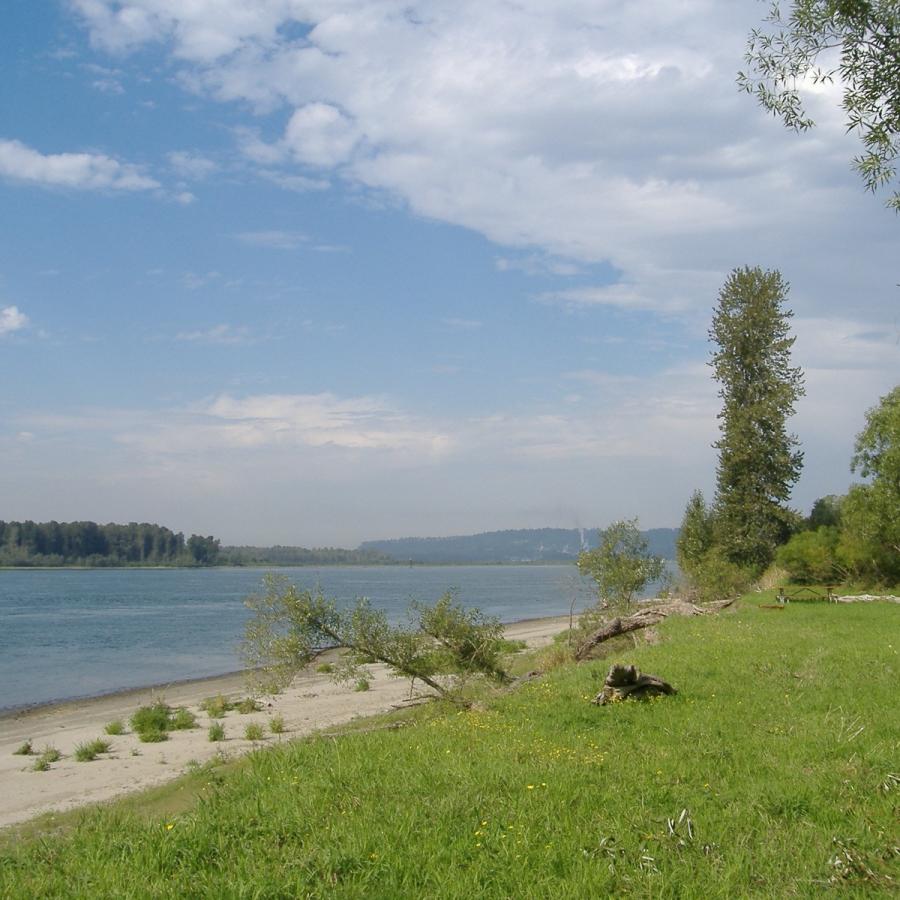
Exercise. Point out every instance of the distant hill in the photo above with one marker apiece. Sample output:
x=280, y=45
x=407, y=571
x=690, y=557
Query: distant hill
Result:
x=514, y=546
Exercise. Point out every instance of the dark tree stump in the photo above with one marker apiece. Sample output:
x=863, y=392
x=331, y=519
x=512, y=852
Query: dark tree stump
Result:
x=623, y=682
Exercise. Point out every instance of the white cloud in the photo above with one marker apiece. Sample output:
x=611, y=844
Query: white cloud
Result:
x=218, y=334
x=591, y=132
x=11, y=319
x=82, y=171
x=279, y=240
x=191, y=165
x=320, y=135
x=463, y=324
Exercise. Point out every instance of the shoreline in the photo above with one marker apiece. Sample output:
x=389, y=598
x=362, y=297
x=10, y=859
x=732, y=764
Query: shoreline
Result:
x=141, y=691
x=311, y=703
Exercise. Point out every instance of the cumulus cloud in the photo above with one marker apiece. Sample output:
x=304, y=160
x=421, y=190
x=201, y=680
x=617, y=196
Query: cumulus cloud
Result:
x=602, y=132
x=11, y=319
x=81, y=171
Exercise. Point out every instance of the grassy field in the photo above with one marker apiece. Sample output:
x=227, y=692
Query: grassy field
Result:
x=775, y=772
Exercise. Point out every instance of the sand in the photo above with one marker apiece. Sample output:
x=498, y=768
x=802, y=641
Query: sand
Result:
x=312, y=703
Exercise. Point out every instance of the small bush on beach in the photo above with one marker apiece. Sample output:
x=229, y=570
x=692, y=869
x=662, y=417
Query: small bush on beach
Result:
x=254, y=732
x=276, y=725
x=41, y=764
x=216, y=707
x=325, y=668
x=51, y=754
x=183, y=719
x=248, y=705
x=362, y=684
x=152, y=718
x=216, y=732
x=90, y=750
x=153, y=736
x=25, y=750
x=117, y=726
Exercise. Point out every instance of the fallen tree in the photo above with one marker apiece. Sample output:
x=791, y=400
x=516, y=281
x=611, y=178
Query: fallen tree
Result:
x=644, y=619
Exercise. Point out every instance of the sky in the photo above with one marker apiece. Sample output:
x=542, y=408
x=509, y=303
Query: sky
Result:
x=313, y=273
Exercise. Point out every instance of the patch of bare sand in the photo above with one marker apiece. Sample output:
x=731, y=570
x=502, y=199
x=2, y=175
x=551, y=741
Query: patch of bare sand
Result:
x=311, y=703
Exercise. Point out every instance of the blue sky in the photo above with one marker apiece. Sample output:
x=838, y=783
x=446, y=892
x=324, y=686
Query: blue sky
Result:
x=309, y=272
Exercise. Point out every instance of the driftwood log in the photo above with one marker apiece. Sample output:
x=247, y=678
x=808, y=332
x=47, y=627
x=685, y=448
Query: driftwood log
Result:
x=644, y=619
x=623, y=682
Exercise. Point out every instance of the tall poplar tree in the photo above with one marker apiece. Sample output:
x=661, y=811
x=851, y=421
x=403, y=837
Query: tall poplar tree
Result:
x=759, y=461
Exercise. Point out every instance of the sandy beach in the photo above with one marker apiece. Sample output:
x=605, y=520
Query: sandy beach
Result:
x=312, y=703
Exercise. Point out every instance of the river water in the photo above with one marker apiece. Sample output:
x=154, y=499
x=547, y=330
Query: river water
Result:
x=68, y=633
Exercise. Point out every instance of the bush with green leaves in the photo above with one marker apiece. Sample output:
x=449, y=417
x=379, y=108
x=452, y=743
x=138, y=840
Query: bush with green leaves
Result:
x=90, y=750
x=25, y=749
x=216, y=732
x=810, y=557
x=182, y=719
x=117, y=726
x=621, y=565
x=248, y=705
x=276, y=725
x=216, y=707
x=155, y=717
x=290, y=626
x=254, y=732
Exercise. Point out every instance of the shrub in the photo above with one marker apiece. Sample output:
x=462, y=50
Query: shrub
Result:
x=717, y=578
x=183, y=719
x=51, y=754
x=117, y=726
x=248, y=705
x=362, y=684
x=90, y=750
x=254, y=732
x=216, y=707
x=155, y=717
x=290, y=626
x=507, y=645
x=325, y=668
x=276, y=725
x=25, y=750
x=152, y=736
x=41, y=764
x=216, y=732
x=809, y=557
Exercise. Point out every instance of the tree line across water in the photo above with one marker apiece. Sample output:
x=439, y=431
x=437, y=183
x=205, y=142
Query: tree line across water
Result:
x=91, y=544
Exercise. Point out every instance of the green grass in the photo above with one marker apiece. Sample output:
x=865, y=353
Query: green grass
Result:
x=770, y=774
x=182, y=719
x=216, y=707
x=276, y=725
x=254, y=732
x=90, y=750
x=152, y=736
x=117, y=726
x=26, y=749
x=216, y=732
x=248, y=705
x=153, y=718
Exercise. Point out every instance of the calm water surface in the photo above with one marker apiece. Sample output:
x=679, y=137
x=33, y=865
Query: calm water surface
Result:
x=77, y=633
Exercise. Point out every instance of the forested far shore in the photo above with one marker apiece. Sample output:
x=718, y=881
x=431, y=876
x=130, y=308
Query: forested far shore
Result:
x=55, y=544
x=39, y=544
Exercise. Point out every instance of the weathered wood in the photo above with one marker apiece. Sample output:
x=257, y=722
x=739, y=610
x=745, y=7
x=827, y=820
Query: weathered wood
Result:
x=644, y=619
x=623, y=682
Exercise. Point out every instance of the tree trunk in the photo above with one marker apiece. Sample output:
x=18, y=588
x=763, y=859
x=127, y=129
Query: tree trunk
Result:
x=644, y=619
